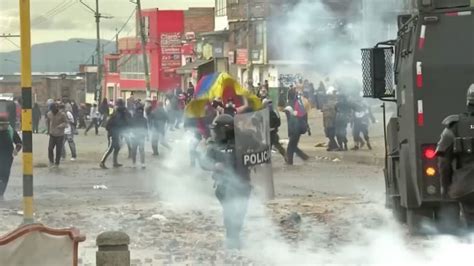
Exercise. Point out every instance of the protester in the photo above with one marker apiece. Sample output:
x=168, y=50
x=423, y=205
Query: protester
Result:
x=189, y=92
x=329, y=121
x=139, y=132
x=36, y=112
x=104, y=111
x=95, y=120
x=82, y=116
x=8, y=139
x=275, y=123
x=158, y=120
x=362, y=118
x=57, y=122
x=116, y=125
x=295, y=129
x=180, y=110
x=75, y=113
x=69, y=133
x=320, y=95
x=131, y=103
x=343, y=117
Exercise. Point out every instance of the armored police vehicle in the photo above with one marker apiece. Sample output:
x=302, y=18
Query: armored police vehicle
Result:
x=426, y=72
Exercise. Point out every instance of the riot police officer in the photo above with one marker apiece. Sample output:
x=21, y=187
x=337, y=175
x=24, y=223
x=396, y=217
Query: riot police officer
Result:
x=232, y=182
x=456, y=159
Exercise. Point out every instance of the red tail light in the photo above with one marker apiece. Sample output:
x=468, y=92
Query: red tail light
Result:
x=429, y=153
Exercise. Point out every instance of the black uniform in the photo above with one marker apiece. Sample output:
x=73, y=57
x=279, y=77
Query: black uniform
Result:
x=8, y=138
x=232, y=182
x=456, y=161
x=116, y=126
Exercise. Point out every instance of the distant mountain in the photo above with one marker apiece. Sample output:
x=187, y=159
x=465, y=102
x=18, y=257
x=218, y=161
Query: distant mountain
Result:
x=60, y=56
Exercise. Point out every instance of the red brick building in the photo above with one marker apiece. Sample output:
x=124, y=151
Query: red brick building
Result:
x=165, y=30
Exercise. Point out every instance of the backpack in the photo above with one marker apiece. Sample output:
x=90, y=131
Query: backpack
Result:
x=302, y=125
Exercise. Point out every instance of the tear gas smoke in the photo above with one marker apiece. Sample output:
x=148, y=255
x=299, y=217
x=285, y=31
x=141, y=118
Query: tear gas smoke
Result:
x=362, y=232
x=326, y=37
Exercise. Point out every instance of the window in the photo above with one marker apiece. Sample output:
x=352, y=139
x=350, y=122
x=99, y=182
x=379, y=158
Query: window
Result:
x=113, y=65
x=221, y=8
x=258, y=30
x=238, y=37
x=131, y=67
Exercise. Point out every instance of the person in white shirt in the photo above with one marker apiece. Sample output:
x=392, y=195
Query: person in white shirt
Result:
x=69, y=133
x=95, y=117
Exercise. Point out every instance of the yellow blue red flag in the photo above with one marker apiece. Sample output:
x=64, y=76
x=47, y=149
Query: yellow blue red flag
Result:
x=223, y=86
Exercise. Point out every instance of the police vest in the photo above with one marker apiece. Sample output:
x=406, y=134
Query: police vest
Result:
x=464, y=135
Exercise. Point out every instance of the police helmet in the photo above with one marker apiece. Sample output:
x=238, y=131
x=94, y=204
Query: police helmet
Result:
x=223, y=128
x=470, y=95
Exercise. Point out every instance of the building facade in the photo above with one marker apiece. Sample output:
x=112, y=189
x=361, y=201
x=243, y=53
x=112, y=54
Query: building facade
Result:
x=165, y=33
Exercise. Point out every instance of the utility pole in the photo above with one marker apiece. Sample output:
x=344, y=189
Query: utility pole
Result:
x=98, y=16
x=249, y=48
x=144, y=54
x=116, y=41
x=26, y=113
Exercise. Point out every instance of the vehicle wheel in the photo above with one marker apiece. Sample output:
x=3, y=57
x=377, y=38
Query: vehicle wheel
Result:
x=448, y=219
x=420, y=221
x=399, y=212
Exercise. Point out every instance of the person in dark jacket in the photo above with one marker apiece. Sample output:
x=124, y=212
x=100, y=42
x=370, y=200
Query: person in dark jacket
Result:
x=139, y=133
x=116, y=125
x=36, y=117
x=158, y=120
x=295, y=130
x=343, y=117
x=10, y=145
x=275, y=123
x=104, y=111
x=57, y=122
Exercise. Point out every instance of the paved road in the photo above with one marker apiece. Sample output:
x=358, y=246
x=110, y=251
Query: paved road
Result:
x=65, y=196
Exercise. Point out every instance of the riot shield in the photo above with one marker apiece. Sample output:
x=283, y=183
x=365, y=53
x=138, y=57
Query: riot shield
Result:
x=253, y=150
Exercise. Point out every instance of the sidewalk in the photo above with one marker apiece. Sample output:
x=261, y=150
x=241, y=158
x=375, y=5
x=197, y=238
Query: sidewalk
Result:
x=313, y=145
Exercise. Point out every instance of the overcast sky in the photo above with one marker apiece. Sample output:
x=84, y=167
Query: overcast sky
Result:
x=54, y=20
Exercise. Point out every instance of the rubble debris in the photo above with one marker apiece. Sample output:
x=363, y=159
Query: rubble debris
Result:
x=100, y=187
x=320, y=145
x=158, y=217
x=293, y=219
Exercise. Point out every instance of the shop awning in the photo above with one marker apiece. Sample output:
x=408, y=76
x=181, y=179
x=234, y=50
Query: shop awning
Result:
x=189, y=67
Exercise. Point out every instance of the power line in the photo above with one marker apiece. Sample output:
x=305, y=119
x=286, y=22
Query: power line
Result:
x=12, y=42
x=63, y=6
x=121, y=28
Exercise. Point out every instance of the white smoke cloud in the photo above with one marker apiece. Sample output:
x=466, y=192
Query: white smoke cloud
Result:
x=359, y=232
x=329, y=39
